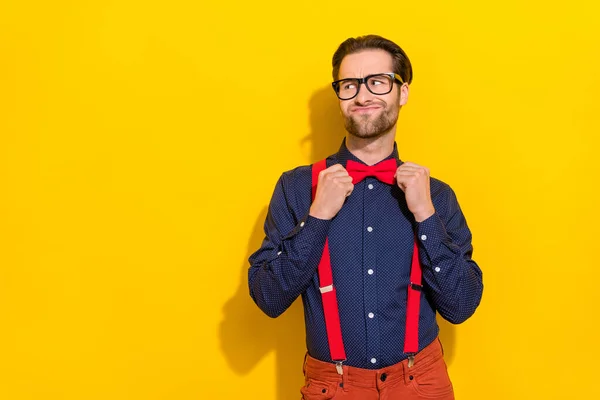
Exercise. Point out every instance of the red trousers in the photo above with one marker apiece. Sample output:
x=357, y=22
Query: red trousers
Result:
x=426, y=379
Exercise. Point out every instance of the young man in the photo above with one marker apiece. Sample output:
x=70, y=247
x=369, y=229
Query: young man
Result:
x=380, y=249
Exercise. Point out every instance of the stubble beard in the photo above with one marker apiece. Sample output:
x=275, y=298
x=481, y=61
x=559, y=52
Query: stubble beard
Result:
x=368, y=127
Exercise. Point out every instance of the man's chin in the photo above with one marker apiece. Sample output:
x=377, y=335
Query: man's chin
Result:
x=365, y=134
x=368, y=126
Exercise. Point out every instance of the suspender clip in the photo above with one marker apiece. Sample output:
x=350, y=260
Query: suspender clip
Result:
x=416, y=286
x=339, y=367
x=325, y=289
x=411, y=360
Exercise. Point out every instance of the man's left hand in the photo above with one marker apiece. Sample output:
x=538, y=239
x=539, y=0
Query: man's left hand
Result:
x=413, y=180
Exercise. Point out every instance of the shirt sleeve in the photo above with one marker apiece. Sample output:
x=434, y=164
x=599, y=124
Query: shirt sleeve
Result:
x=451, y=277
x=284, y=265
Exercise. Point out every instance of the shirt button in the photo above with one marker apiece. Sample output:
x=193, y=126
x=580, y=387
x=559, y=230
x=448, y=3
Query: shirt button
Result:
x=278, y=253
x=301, y=224
x=371, y=315
x=370, y=272
x=437, y=269
x=373, y=360
x=370, y=229
x=423, y=237
x=370, y=186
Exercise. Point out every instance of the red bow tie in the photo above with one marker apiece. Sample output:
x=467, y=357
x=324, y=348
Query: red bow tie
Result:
x=384, y=171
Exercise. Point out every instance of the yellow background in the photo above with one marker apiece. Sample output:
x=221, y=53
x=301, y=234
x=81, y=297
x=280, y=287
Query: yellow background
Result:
x=140, y=143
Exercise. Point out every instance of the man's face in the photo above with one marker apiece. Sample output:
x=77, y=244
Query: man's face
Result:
x=368, y=115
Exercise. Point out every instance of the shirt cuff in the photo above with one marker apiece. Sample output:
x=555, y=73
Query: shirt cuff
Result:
x=431, y=233
x=308, y=233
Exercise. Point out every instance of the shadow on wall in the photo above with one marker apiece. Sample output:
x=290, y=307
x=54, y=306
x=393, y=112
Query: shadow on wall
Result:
x=246, y=334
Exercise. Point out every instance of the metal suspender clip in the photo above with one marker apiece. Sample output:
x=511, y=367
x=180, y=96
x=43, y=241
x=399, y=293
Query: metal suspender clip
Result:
x=411, y=360
x=339, y=367
x=326, y=289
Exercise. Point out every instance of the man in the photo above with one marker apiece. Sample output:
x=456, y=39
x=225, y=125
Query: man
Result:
x=369, y=306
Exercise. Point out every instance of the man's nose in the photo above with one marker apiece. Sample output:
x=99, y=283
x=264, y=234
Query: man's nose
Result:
x=364, y=95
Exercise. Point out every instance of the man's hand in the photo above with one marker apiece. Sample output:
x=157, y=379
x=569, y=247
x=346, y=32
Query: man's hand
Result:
x=334, y=186
x=413, y=180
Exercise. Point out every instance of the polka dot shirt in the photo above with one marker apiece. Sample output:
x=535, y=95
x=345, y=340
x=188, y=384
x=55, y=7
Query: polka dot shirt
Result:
x=371, y=242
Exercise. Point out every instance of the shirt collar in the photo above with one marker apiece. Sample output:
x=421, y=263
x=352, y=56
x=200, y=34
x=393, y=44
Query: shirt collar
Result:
x=343, y=155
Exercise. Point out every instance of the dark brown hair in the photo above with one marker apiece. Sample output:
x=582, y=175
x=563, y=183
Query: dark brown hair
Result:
x=401, y=63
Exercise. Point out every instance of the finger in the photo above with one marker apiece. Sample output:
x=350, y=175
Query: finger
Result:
x=349, y=189
x=336, y=167
x=333, y=168
x=408, y=168
x=337, y=174
x=331, y=175
x=406, y=174
x=417, y=173
x=414, y=167
x=343, y=179
x=406, y=179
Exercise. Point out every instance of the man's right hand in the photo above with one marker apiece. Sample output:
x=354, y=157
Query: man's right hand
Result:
x=334, y=186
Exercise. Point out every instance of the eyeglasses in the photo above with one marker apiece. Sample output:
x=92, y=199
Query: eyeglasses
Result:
x=378, y=84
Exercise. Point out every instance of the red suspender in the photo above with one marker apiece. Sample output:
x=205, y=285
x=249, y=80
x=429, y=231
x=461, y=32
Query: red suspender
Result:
x=413, y=302
x=329, y=298
x=328, y=293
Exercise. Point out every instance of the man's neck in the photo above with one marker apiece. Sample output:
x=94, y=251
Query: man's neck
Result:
x=372, y=150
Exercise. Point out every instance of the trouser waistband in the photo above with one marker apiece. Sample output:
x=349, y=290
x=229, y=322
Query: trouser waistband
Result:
x=317, y=369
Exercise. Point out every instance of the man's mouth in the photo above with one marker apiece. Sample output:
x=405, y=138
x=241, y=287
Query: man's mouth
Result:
x=364, y=110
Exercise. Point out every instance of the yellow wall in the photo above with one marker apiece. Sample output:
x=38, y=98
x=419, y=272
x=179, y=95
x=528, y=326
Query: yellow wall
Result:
x=140, y=143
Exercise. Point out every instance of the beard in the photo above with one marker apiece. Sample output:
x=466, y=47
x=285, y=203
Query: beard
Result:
x=368, y=126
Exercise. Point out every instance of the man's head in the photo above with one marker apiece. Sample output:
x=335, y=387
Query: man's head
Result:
x=370, y=107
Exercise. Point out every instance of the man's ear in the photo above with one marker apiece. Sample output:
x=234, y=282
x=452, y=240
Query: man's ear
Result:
x=403, y=94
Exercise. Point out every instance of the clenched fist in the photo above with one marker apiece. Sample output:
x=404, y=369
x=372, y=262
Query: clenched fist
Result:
x=334, y=186
x=413, y=180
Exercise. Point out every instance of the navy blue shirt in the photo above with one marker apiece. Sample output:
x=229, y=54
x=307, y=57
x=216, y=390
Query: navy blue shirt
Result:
x=371, y=242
